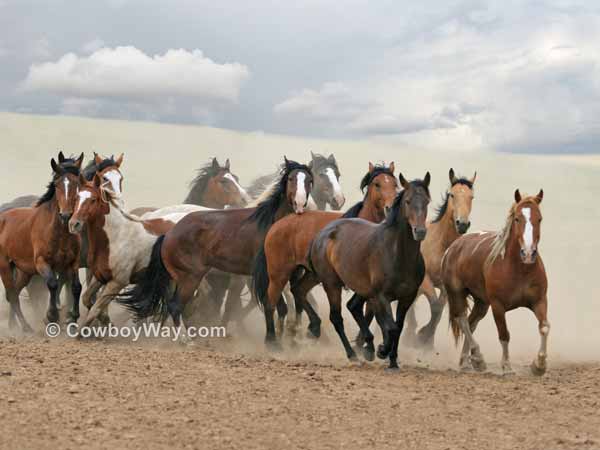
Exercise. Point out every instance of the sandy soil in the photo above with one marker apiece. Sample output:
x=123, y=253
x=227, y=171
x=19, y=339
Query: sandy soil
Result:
x=229, y=394
x=65, y=394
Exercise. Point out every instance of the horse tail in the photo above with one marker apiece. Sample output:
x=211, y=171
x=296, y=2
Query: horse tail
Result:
x=260, y=277
x=149, y=296
x=457, y=307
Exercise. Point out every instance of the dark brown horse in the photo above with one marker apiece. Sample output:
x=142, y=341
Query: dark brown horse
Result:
x=37, y=241
x=503, y=270
x=226, y=240
x=382, y=262
x=288, y=242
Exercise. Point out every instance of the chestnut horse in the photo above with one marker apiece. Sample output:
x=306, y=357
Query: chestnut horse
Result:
x=382, y=262
x=288, y=242
x=226, y=240
x=36, y=241
x=503, y=270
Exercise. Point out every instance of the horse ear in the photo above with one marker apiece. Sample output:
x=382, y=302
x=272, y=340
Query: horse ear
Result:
x=79, y=161
x=286, y=161
x=452, y=176
x=61, y=157
x=403, y=181
x=539, y=197
x=331, y=158
x=215, y=163
x=517, y=196
x=54, y=166
x=312, y=155
x=227, y=164
x=392, y=167
x=427, y=179
x=97, y=159
x=474, y=178
x=97, y=181
x=371, y=167
x=119, y=160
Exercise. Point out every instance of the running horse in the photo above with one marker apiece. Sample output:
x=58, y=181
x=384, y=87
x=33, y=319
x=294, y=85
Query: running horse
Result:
x=284, y=255
x=226, y=240
x=36, y=240
x=503, y=271
x=381, y=263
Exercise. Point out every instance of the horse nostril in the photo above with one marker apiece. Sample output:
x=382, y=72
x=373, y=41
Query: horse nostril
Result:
x=523, y=254
x=534, y=253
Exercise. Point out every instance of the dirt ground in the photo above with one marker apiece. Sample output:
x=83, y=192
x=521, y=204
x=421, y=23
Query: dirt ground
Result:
x=112, y=394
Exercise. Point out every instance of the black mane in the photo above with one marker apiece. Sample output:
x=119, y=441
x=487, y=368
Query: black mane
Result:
x=322, y=162
x=354, y=211
x=68, y=166
x=441, y=210
x=92, y=168
x=392, y=218
x=264, y=216
x=200, y=182
x=370, y=176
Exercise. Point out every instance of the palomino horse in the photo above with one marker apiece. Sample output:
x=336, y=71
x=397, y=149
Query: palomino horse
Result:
x=288, y=242
x=119, y=243
x=451, y=221
x=226, y=240
x=36, y=241
x=382, y=262
x=502, y=270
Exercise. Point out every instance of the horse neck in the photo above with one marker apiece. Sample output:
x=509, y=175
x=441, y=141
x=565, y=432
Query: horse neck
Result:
x=443, y=231
x=370, y=212
x=399, y=245
x=50, y=210
x=198, y=196
x=117, y=224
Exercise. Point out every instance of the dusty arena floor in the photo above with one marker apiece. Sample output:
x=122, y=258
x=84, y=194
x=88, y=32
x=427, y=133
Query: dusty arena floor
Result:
x=66, y=394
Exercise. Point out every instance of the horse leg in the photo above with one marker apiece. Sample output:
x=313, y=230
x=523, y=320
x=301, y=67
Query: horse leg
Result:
x=111, y=289
x=22, y=280
x=334, y=294
x=294, y=307
x=7, y=275
x=184, y=292
x=426, y=335
x=369, y=315
x=89, y=295
x=503, y=334
x=282, y=311
x=538, y=367
x=355, y=305
x=276, y=285
x=404, y=305
x=52, y=284
x=300, y=290
x=74, y=286
x=233, y=303
x=480, y=309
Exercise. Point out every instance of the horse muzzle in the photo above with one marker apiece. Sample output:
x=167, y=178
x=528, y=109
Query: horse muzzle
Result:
x=337, y=202
x=461, y=226
x=528, y=256
x=419, y=233
x=65, y=217
x=75, y=227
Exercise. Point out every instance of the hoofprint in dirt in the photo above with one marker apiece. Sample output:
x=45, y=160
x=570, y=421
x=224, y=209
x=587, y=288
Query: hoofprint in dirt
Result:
x=111, y=394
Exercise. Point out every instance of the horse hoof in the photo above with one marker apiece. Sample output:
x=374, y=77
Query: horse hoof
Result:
x=369, y=352
x=507, y=371
x=537, y=371
x=479, y=365
x=393, y=368
x=352, y=357
x=382, y=352
x=314, y=332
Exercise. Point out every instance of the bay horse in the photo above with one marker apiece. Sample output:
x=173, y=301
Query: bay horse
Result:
x=214, y=187
x=35, y=240
x=288, y=242
x=120, y=243
x=381, y=263
x=452, y=220
x=226, y=240
x=503, y=271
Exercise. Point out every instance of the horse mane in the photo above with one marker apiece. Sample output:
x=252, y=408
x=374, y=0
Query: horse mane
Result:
x=501, y=239
x=200, y=182
x=92, y=168
x=441, y=210
x=270, y=201
x=370, y=176
x=68, y=165
x=321, y=161
x=392, y=219
x=262, y=184
x=354, y=211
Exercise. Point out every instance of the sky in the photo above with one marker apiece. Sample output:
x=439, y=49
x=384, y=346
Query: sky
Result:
x=460, y=75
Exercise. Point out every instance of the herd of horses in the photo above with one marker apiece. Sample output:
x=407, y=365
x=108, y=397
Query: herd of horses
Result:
x=277, y=239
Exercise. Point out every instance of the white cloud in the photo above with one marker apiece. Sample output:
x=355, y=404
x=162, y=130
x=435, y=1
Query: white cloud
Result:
x=128, y=73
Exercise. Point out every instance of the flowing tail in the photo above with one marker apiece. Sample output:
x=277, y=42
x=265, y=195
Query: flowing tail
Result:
x=260, y=277
x=149, y=297
x=457, y=307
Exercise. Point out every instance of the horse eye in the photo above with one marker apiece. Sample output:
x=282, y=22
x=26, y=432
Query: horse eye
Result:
x=451, y=195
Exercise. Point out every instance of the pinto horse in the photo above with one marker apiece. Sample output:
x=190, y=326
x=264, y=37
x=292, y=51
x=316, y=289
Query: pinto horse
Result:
x=36, y=241
x=381, y=262
x=288, y=242
x=225, y=240
x=503, y=270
